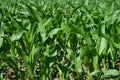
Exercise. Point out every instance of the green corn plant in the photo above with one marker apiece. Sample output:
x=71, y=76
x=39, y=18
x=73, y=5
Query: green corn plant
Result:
x=60, y=39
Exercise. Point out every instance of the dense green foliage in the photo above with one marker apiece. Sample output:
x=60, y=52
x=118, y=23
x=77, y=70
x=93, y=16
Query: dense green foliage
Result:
x=58, y=39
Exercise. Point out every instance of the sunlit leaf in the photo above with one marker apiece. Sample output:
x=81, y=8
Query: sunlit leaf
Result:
x=53, y=32
x=1, y=35
x=111, y=72
x=17, y=35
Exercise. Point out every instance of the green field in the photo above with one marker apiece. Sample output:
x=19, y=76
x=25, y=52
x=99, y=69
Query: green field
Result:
x=59, y=39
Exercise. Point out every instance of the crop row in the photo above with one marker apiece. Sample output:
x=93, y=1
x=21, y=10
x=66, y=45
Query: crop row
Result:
x=57, y=39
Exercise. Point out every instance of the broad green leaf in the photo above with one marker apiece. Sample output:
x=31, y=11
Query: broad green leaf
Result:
x=1, y=35
x=69, y=51
x=1, y=76
x=77, y=29
x=109, y=39
x=95, y=62
x=103, y=45
x=81, y=31
x=111, y=72
x=118, y=31
x=15, y=23
x=35, y=13
x=46, y=22
x=41, y=28
x=86, y=2
x=104, y=41
x=17, y=35
x=116, y=45
x=88, y=40
x=95, y=72
x=25, y=13
x=53, y=32
x=112, y=18
x=78, y=64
